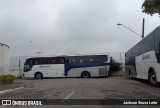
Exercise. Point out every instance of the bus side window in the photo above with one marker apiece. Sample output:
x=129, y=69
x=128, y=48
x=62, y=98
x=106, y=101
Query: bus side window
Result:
x=88, y=59
x=48, y=61
x=41, y=61
x=95, y=60
x=66, y=60
x=52, y=61
x=85, y=59
x=81, y=60
x=72, y=60
x=31, y=63
x=36, y=62
x=104, y=58
x=91, y=60
x=62, y=61
x=44, y=61
x=100, y=60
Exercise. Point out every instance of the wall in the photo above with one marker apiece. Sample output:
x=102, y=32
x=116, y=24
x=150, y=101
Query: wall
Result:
x=4, y=59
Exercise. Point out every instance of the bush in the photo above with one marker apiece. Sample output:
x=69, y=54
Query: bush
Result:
x=7, y=79
x=115, y=66
x=1, y=77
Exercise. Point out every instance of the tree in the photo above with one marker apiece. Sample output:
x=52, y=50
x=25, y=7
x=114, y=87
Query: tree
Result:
x=151, y=7
x=115, y=66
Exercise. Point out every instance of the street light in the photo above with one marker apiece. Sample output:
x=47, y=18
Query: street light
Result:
x=129, y=29
x=142, y=36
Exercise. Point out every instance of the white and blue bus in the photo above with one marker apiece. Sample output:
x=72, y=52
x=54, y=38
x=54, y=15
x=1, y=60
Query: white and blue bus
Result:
x=67, y=66
x=143, y=60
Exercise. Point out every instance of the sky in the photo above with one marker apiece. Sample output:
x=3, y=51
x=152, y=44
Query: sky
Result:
x=66, y=27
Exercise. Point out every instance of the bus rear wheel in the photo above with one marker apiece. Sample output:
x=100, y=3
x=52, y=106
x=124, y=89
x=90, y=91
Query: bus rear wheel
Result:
x=152, y=79
x=38, y=75
x=85, y=74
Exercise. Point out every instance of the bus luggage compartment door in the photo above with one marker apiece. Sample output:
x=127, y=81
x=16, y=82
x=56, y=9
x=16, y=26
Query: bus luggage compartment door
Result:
x=103, y=72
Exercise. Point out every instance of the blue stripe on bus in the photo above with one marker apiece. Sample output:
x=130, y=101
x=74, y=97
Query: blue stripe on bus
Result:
x=80, y=65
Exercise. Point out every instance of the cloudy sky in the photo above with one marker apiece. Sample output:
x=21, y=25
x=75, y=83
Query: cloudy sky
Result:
x=60, y=27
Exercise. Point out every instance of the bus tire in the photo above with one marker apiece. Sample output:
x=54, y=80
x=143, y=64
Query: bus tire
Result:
x=85, y=74
x=152, y=79
x=38, y=75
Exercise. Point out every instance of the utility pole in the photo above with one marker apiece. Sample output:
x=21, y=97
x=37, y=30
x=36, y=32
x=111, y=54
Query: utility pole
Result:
x=143, y=24
x=121, y=58
x=20, y=67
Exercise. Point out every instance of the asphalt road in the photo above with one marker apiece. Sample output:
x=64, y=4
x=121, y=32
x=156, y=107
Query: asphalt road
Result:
x=79, y=88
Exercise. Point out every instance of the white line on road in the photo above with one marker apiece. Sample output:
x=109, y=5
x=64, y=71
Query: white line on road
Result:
x=11, y=90
x=68, y=96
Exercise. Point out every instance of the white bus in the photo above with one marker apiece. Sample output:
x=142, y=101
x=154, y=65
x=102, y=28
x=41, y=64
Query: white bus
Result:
x=143, y=60
x=67, y=66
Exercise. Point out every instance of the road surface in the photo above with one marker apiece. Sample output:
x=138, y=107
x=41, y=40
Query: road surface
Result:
x=79, y=88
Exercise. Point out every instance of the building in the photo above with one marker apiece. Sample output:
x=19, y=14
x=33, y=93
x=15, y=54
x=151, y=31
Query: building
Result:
x=4, y=59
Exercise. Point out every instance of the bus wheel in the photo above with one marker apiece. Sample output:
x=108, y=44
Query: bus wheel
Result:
x=85, y=74
x=152, y=79
x=38, y=75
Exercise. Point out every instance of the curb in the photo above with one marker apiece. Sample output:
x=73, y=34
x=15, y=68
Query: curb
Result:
x=11, y=90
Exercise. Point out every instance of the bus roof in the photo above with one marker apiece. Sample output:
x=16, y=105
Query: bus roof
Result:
x=144, y=38
x=65, y=56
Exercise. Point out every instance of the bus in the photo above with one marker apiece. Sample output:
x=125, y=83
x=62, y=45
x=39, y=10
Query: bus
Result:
x=67, y=66
x=143, y=60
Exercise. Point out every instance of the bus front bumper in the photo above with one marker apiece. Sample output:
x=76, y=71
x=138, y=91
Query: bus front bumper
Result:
x=27, y=75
